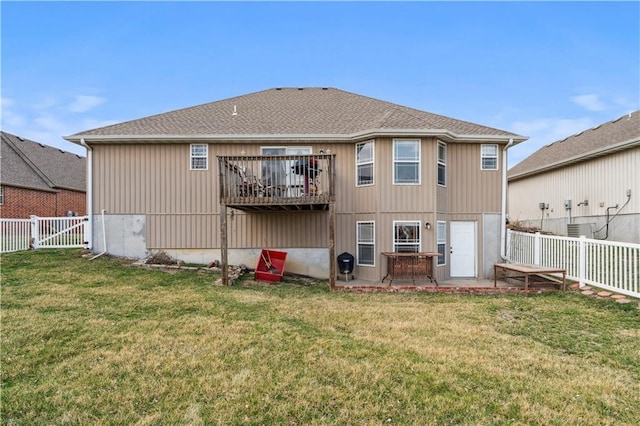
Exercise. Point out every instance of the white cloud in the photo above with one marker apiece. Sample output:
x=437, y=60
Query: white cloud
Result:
x=48, y=119
x=591, y=102
x=6, y=102
x=45, y=103
x=83, y=103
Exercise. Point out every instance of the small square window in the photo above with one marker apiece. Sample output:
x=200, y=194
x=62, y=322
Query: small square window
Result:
x=1, y=195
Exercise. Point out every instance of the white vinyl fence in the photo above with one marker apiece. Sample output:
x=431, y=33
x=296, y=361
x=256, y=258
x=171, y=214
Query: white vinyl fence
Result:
x=42, y=232
x=613, y=266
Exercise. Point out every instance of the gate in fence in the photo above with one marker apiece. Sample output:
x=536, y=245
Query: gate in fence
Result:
x=42, y=232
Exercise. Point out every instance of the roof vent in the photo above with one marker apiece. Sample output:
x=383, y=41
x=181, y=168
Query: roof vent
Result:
x=325, y=88
x=278, y=88
x=300, y=88
x=42, y=145
x=21, y=138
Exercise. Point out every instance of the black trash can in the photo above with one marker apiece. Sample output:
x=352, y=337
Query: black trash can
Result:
x=345, y=264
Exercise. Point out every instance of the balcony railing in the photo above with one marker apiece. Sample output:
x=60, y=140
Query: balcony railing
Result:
x=277, y=182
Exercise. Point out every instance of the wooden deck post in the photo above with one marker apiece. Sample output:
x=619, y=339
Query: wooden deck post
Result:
x=223, y=244
x=332, y=245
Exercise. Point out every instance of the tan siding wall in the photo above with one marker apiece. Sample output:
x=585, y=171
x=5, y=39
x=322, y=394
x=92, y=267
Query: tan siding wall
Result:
x=602, y=180
x=182, y=206
x=470, y=189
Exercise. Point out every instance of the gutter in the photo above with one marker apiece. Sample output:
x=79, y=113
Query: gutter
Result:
x=89, y=231
x=503, y=211
x=439, y=133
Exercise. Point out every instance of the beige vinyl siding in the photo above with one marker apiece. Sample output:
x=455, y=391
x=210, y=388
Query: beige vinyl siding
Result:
x=404, y=198
x=138, y=179
x=470, y=189
x=182, y=205
x=601, y=180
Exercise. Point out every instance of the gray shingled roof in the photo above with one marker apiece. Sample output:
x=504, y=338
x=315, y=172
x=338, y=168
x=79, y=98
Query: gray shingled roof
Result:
x=291, y=111
x=30, y=164
x=622, y=133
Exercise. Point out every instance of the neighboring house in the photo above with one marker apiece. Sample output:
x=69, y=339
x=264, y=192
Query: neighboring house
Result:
x=40, y=180
x=586, y=184
x=231, y=175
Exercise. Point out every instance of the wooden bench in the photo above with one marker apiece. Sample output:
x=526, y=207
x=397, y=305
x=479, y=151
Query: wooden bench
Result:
x=526, y=271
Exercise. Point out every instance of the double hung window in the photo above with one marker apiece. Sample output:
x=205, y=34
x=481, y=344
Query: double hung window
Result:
x=406, y=236
x=366, y=243
x=406, y=161
x=442, y=164
x=199, y=156
x=489, y=157
x=442, y=242
x=364, y=163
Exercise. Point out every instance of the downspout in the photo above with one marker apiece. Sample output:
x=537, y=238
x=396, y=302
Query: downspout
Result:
x=503, y=215
x=89, y=231
x=104, y=239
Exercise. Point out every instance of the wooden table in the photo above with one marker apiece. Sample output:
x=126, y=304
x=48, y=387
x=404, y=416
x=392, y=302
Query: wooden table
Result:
x=410, y=265
x=526, y=271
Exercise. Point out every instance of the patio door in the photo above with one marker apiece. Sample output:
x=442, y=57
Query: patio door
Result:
x=285, y=176
x=463, y=249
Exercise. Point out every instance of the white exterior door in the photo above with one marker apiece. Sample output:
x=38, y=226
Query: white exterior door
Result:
x=463, y=249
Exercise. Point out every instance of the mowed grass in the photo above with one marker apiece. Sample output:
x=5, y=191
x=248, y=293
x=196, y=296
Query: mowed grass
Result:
x=99, y=342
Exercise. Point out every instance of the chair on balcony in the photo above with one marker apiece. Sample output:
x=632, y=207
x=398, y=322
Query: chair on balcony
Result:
x=249, y=185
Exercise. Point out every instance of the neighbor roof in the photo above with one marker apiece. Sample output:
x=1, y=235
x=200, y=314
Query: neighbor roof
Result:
x=619, y=134
x=294, y=113
x=28, y=164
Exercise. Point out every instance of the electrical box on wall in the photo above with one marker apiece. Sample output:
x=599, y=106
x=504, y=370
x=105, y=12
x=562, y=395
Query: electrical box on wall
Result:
x=541, y=206
x=567, y=204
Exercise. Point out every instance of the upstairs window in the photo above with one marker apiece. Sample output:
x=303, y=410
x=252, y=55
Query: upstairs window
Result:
x=1, y=195
x=364, y=163
x=406, y=237
x=442, y=242
x=199, y=156
x=406, y=161
x=489, y=157
x=442, y=164
x=366, y=243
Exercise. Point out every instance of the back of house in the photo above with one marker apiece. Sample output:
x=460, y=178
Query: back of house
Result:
x=314, y=172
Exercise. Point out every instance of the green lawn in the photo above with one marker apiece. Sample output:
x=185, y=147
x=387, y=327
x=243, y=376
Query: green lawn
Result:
x=99, y=342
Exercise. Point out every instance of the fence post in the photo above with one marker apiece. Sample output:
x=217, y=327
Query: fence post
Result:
x=34, y=243
x=582, y=260
x=507, y=250
x=536, y=249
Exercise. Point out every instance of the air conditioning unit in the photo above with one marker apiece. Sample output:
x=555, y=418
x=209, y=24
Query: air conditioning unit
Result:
x=575, y=230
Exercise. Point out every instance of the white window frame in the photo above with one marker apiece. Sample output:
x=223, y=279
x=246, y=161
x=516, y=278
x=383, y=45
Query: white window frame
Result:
x=1, y=195
x=484, y=156
x=441, y=239
x=441, y=162
x=361, y=242
x=360, y=163
x=398, y=243
x=197, y=156
x=417, y=160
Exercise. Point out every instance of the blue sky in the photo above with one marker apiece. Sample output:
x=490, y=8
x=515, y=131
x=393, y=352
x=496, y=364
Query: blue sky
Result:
x=545, y=70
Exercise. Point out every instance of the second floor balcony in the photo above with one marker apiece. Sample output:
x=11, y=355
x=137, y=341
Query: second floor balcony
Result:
x=277, y=182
